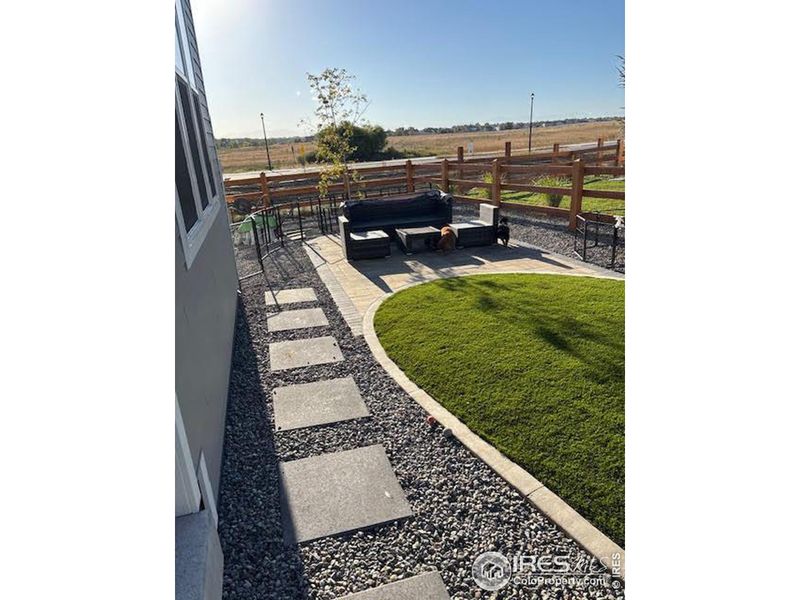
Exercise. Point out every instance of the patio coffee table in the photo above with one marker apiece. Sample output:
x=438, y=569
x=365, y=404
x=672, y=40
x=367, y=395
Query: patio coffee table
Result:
x=414, y=239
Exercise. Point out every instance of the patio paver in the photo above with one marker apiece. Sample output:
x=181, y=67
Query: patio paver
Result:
x=296, y=319
x=317, y=403
x=339, y=492
x=355, y=285
x=303, y=353
x=290, y=296
x=427, y=586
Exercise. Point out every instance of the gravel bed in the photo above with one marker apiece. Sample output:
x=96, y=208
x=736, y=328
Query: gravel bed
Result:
x=548, y=233
x=462, y=508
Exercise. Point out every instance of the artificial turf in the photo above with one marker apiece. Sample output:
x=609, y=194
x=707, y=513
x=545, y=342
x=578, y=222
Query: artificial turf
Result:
x=535, y=364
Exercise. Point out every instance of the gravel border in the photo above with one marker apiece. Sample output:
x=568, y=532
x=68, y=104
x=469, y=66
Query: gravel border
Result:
x=462, y=508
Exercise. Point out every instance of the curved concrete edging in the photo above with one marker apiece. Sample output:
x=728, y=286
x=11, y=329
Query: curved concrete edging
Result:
x=558, y=511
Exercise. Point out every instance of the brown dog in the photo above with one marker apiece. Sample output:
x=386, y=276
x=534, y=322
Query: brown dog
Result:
x=448, y=240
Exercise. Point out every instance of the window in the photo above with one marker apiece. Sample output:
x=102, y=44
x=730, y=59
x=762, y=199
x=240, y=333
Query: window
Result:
x=183, y=182
x=190, y=125
x=196, y=201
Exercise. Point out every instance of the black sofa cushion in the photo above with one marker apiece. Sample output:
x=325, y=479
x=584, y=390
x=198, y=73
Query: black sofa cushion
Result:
x=398, y=211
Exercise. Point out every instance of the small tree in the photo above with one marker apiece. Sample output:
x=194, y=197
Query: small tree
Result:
x=339, y=107
x=621, y=83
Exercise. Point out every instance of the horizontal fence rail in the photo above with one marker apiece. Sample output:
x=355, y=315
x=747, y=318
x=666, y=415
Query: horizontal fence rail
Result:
x=457, y=176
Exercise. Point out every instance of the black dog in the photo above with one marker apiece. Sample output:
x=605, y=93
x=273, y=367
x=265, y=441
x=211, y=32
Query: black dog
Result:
x=503, y=232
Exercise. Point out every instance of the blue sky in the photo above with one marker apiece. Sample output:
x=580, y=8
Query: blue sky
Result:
x=421, y=64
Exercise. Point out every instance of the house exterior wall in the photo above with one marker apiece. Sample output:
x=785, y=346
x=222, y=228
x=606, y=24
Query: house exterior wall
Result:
x=205, y=312
x=198, y=75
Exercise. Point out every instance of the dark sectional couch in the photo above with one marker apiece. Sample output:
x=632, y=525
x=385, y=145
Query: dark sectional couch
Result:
x=366, y=226
x=419, y=209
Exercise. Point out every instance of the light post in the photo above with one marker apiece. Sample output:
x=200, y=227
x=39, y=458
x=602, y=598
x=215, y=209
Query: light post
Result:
x=266, y=144
x=530, y=126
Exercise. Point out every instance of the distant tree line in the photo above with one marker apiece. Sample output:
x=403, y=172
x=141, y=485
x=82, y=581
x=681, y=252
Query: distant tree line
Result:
x=504, y=126
x=371, y=130
x=250, y=142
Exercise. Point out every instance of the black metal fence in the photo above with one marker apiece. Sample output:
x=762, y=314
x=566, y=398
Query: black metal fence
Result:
x=268, y=229
x=596, y=234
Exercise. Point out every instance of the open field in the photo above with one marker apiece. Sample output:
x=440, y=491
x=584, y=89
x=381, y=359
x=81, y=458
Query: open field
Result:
x=237, y=160
x=534, y=364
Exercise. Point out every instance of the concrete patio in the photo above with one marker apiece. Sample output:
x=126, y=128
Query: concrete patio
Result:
x=356, y=285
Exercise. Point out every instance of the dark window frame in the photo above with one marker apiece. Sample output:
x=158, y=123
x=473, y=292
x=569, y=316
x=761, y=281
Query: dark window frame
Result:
x=193, y=154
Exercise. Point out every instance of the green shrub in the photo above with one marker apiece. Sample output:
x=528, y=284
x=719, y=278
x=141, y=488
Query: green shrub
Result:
x=553, y=200
x=483, y=192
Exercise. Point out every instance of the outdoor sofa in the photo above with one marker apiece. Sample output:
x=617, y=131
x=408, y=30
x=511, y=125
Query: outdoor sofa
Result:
x=366, y=227
x=429, y=208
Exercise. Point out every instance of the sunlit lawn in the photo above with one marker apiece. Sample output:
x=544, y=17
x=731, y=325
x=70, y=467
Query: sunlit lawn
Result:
x=535, y=364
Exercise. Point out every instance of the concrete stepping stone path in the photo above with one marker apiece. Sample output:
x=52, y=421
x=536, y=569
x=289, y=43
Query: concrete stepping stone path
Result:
x=317, y=403
x=339, y=492
x=304, y=353
x=296, y=319
x=291, y=296
x=427, y=586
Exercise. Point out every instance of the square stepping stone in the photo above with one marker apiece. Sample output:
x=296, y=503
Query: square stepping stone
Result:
x=303, y=353
x=427, y=586
x=339, y=492
x=309, y=404
x=296, y=319
x=290, y=296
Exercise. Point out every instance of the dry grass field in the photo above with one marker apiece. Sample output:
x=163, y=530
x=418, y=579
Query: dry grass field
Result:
x=236, y=160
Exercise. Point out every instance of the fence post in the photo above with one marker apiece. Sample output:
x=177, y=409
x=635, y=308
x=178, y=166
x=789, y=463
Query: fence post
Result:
x=555, y=153
x=618, y=158
x=346, y=181
x=265, y=190
x=445, y=177
x=460, y=153
x=496, y=182
x=508, y=150
x=409, y=176
x=577, y=193
x=599, y=150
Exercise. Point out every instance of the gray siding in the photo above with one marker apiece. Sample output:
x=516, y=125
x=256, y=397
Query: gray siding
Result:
x=205, y=314
x=198, y=75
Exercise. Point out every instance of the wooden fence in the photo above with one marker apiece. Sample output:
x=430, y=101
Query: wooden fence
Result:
x=458, y=176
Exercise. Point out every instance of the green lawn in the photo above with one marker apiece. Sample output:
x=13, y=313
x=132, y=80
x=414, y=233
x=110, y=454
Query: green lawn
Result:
x=588, y=204
x=535, y=364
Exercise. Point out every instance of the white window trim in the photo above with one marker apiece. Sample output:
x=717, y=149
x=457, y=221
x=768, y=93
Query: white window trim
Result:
x=192, y=239
x=188, y=66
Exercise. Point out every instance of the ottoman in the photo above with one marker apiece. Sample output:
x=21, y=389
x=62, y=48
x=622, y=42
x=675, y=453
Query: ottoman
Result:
x=369, y=244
